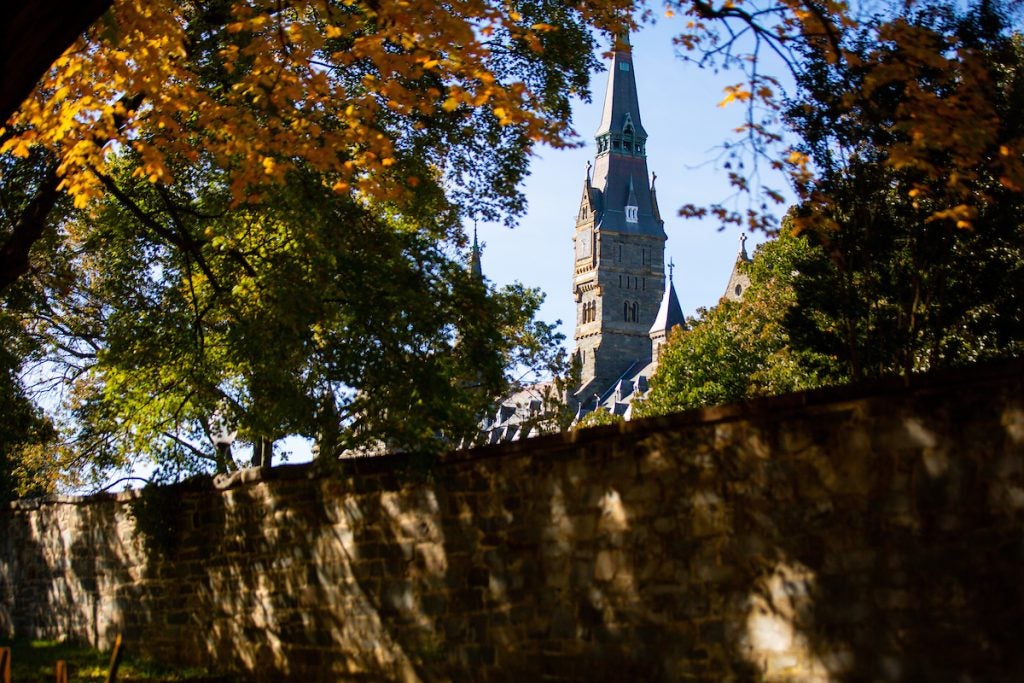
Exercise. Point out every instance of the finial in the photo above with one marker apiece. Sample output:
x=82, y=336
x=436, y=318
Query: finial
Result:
x=474, y=235
x=743, y=245
x=671, y=267
x=654, y=177
x=588, y=170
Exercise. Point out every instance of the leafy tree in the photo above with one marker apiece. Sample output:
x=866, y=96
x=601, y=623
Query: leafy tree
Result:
x=934, y=78
x=910, y=250
x=925, y=241
x=26, y=435
x=379, y=98
x=741, y=349
x=268, y=202
x=181, y=307
x=206, y=148
x=599, y=417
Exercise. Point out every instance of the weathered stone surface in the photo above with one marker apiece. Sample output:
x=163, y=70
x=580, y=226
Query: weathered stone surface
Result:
x=862, y=534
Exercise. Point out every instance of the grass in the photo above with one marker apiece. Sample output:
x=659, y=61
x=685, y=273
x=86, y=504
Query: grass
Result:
x=35, y=661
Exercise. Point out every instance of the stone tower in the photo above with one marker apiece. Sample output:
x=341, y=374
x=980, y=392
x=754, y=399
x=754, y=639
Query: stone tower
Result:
x=619, y=271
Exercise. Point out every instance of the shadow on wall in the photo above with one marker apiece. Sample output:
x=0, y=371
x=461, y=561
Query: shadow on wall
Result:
x=845, y=539
x=67, y=567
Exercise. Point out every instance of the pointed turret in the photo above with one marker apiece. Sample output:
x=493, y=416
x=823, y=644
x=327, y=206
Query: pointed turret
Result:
x=620, y=170
x=738, y=279
x=654, y=199
x=474, y=258
x=590, y=200
x=670, y=314
x=621, y=103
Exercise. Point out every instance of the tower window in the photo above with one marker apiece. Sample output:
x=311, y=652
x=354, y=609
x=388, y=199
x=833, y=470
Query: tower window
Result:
x=631, y=212
x=630, y=311
x=623, y=66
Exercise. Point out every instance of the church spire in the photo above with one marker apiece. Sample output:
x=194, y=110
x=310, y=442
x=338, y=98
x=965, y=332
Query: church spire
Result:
x=621, y=114
x=620, y=166
x=475, y=269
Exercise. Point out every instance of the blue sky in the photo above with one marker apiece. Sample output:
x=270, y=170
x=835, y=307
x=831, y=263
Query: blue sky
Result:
x=679, y=107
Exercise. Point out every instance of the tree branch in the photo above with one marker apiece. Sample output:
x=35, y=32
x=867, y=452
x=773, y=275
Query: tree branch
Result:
x=14, y=261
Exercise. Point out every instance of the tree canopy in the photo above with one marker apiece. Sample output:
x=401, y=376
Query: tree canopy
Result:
x=263, y=218
x=254, y=209
x=741, y=349
x=894, y=261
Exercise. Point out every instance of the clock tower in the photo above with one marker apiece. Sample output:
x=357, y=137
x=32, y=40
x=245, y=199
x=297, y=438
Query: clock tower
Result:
x=619, y=241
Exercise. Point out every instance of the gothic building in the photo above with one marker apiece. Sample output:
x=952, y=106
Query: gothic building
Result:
x=624, y=305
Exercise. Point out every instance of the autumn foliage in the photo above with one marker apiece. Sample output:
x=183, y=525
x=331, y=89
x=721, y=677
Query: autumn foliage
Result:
x=212, y=205
x=333, y=85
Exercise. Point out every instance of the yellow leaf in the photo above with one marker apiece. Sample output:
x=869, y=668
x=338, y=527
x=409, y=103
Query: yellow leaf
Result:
x=735, y=93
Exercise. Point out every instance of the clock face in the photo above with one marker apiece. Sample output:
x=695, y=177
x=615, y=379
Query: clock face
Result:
x=583, y=239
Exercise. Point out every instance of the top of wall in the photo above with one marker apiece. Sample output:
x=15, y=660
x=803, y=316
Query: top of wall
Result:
x=769, y=408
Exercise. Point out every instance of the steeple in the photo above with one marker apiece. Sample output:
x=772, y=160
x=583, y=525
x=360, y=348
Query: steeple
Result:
x=670, y=314
x=620, y=168
x=475, y=269
x=738, y=279
x=621, y=103
x=619, y=239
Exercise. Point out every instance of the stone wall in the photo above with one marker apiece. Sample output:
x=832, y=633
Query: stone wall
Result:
x=870, y=533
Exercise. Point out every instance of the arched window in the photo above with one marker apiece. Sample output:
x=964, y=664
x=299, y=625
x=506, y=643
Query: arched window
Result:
x=625, y=311
x=635, y=310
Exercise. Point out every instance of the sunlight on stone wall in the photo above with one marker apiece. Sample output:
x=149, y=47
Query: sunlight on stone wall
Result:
x=776, y=621
x=829, y=539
